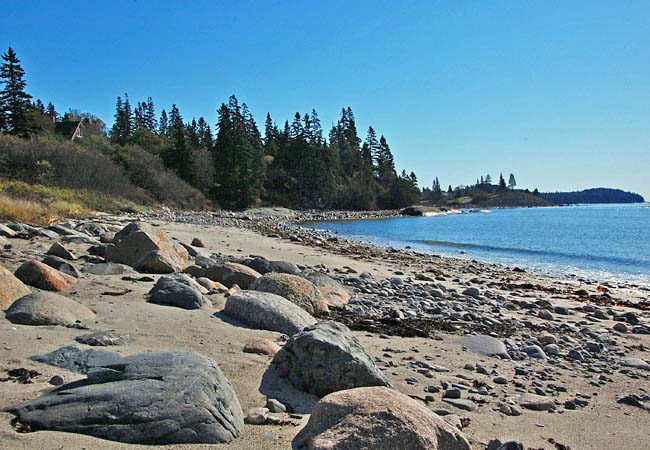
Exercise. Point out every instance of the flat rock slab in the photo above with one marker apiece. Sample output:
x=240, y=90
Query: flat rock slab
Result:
x=461, y=403
x=46, y=308
x=326, y=358
x=103, y=339
x=11, y=288
x=635, y=363
x=536, y=402
x=147, y=398
x=266, y=311
x=73, y=358
x=264, y=266
x=109, y=269
x=376, y=418
x=486, y=346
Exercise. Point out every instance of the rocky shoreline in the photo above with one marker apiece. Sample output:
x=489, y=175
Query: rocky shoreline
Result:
x=481, y=349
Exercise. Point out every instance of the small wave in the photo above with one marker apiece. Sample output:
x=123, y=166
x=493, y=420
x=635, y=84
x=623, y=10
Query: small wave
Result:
x=533, y=252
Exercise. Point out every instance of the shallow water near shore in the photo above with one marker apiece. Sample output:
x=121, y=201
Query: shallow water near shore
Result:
x=601, y=242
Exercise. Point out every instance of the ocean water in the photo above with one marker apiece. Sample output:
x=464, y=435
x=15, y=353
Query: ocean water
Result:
x=600, y=242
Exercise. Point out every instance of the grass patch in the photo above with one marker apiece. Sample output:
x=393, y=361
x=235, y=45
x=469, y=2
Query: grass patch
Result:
x=41, y=205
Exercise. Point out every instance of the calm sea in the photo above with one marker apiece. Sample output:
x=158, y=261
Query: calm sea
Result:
x=601, y=242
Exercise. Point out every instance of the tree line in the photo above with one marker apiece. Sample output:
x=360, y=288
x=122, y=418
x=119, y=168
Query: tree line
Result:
x=296, y=164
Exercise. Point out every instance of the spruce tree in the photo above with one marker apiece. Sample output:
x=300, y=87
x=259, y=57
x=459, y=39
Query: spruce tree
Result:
x=512, y=182
x=163, y=124
x=50, y=111
x=502, y=184
x=180, y=159
x=16, y=116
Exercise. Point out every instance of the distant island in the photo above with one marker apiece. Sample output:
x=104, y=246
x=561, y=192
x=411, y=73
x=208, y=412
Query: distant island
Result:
x=595, y=195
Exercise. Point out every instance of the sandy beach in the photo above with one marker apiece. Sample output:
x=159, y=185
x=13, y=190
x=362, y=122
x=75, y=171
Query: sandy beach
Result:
x=599, y=380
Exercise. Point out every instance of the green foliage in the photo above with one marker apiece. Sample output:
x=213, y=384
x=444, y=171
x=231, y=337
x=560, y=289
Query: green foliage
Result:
x=16, y=110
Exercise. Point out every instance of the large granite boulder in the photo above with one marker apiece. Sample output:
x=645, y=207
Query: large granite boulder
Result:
x=47, y=308
x=376, y=418
x=156, y=261
x=332, y=291
x=296, y=289
x=11, y=288
x=42, y=276
x=137, y=239
x=178, y=290
x=266, y=311
x=265, y=266
x=147, y=399
x=326, y=358
x=227, y=273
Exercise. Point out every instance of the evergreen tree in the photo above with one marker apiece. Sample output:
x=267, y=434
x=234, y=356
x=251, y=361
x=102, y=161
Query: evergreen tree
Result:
x=16, y=116
x=512, y=182
x=502, y=184
x=149, y=113
x=181, y=158
x=316, y=129
x=488, y=179
x=50, y=111
x=163, y=124
x=123, y=127
x=238, y=157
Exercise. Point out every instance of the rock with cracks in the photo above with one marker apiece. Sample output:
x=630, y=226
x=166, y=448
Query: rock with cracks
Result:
x=326, y=358
x=147, y=398
x=266, y=311
x=376, y=418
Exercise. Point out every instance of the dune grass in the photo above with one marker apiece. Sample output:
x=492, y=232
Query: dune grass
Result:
x=37, y=204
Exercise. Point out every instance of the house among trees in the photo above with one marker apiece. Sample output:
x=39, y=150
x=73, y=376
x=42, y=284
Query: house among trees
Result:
x=75, y=126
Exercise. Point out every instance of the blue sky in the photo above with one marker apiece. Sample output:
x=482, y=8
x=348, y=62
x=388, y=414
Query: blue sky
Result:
x=557, y=92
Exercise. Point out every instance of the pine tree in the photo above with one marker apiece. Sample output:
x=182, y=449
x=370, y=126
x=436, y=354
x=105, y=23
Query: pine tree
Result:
x=316, y=128
x=149, y=113
x=16, y=115
x=512, y=182
x=488, y=179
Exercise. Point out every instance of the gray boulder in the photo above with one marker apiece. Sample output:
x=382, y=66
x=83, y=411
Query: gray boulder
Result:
x=264, y=266
x=326, y=358
x=62, y=265
x=46, y=308
x=266, y=311
x=147, y=398
x=178, y=290
x=59, y=250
